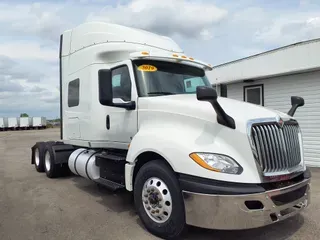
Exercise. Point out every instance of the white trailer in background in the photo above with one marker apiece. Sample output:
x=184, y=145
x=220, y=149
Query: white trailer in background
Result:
x=12, y=123
x=2, y=124
x=5, y=123
x=24, y=122
x=39, y=122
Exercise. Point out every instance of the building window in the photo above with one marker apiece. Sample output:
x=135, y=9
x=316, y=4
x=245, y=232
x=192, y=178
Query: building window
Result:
x=254, y=94
x=223, y=90
x=73, y=93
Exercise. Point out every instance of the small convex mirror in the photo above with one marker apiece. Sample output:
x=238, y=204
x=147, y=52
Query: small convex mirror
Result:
x=295, y=100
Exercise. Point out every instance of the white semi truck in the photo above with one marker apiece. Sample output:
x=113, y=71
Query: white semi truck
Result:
x=138, y=114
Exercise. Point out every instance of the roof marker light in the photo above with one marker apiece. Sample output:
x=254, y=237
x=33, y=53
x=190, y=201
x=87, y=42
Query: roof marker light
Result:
x=144, y=53
x=175, y=55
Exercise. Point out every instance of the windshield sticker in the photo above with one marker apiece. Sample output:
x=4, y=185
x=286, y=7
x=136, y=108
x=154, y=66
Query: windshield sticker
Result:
x=147, y=68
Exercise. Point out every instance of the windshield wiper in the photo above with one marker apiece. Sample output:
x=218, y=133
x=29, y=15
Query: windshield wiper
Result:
x=162, y=93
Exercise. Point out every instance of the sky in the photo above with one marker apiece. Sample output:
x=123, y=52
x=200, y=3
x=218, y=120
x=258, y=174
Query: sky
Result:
x=215, y=31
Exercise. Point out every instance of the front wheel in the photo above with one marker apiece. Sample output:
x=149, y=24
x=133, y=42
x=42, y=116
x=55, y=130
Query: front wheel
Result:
x=158, y=200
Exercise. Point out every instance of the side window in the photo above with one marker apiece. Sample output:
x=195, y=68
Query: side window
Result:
x=121, y=83
x=253, y=94
x=191, y=84
x=73, y=93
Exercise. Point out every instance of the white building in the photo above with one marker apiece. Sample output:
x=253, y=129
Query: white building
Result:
x=271, y=78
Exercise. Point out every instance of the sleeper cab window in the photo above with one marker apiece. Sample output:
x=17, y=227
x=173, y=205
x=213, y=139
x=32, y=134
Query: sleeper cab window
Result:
x=254, y=94
x=73, y=93
x=121, y=83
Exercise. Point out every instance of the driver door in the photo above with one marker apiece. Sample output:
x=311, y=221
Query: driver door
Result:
x=123, y=124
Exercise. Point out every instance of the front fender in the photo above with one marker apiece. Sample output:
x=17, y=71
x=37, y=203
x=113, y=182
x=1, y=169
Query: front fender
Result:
x=175, y=139
x=150, y=140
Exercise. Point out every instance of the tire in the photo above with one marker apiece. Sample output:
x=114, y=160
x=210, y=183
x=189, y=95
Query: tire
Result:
x=175, y=223
x=52, y=170
x=38, y=156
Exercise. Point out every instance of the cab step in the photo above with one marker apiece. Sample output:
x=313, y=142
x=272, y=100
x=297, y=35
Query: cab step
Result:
x=110, y=185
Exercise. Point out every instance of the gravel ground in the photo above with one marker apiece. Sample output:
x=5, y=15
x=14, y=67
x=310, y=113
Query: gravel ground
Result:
x=35, y=207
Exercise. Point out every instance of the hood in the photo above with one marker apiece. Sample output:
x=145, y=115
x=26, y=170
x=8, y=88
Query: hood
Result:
x=187, y=104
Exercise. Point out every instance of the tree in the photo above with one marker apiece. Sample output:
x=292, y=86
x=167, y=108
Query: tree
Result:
x=24, y=115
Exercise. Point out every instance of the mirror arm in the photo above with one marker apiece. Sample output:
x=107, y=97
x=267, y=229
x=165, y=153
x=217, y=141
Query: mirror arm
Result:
x=208, y=94
x=293, y=110
x=222, y=117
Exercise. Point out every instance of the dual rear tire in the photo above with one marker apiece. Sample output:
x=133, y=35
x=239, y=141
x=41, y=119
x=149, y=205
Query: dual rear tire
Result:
x=38, y=156
x=43, y=159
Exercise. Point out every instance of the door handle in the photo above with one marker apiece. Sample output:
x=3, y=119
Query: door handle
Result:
x=108, y=122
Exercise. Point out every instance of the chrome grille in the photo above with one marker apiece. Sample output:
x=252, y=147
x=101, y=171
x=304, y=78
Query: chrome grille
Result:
x=276, y=148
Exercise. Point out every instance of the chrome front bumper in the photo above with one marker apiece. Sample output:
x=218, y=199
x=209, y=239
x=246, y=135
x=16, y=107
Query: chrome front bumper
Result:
x=232, y=211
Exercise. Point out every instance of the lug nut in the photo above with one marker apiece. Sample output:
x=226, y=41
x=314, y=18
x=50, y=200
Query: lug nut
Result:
x=146, y=195
x=157, y=211
x=160, y=206
x=148, y=191
x=146, y=202
x=152, y=211
x=149, y=208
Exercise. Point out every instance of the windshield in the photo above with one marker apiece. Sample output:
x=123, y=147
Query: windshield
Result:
x=156, y=78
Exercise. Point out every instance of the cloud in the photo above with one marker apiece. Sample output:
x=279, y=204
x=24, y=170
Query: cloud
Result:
x=192, y=19
x=37, y=89
x=29, y=50
x=39, y=19
x=33, y=103
x=290, y=28
x=52, y=99
x=14, y=70
x=7, y=85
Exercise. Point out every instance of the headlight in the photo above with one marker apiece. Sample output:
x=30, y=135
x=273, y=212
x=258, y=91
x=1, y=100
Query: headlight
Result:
x=217, y=162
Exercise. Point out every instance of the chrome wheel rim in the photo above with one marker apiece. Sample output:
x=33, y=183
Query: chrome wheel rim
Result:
x=37, y=157
x=47, y=161
x=157, y=200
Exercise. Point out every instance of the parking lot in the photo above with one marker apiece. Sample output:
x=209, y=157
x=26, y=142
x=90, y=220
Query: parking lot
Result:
x=35, y=207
